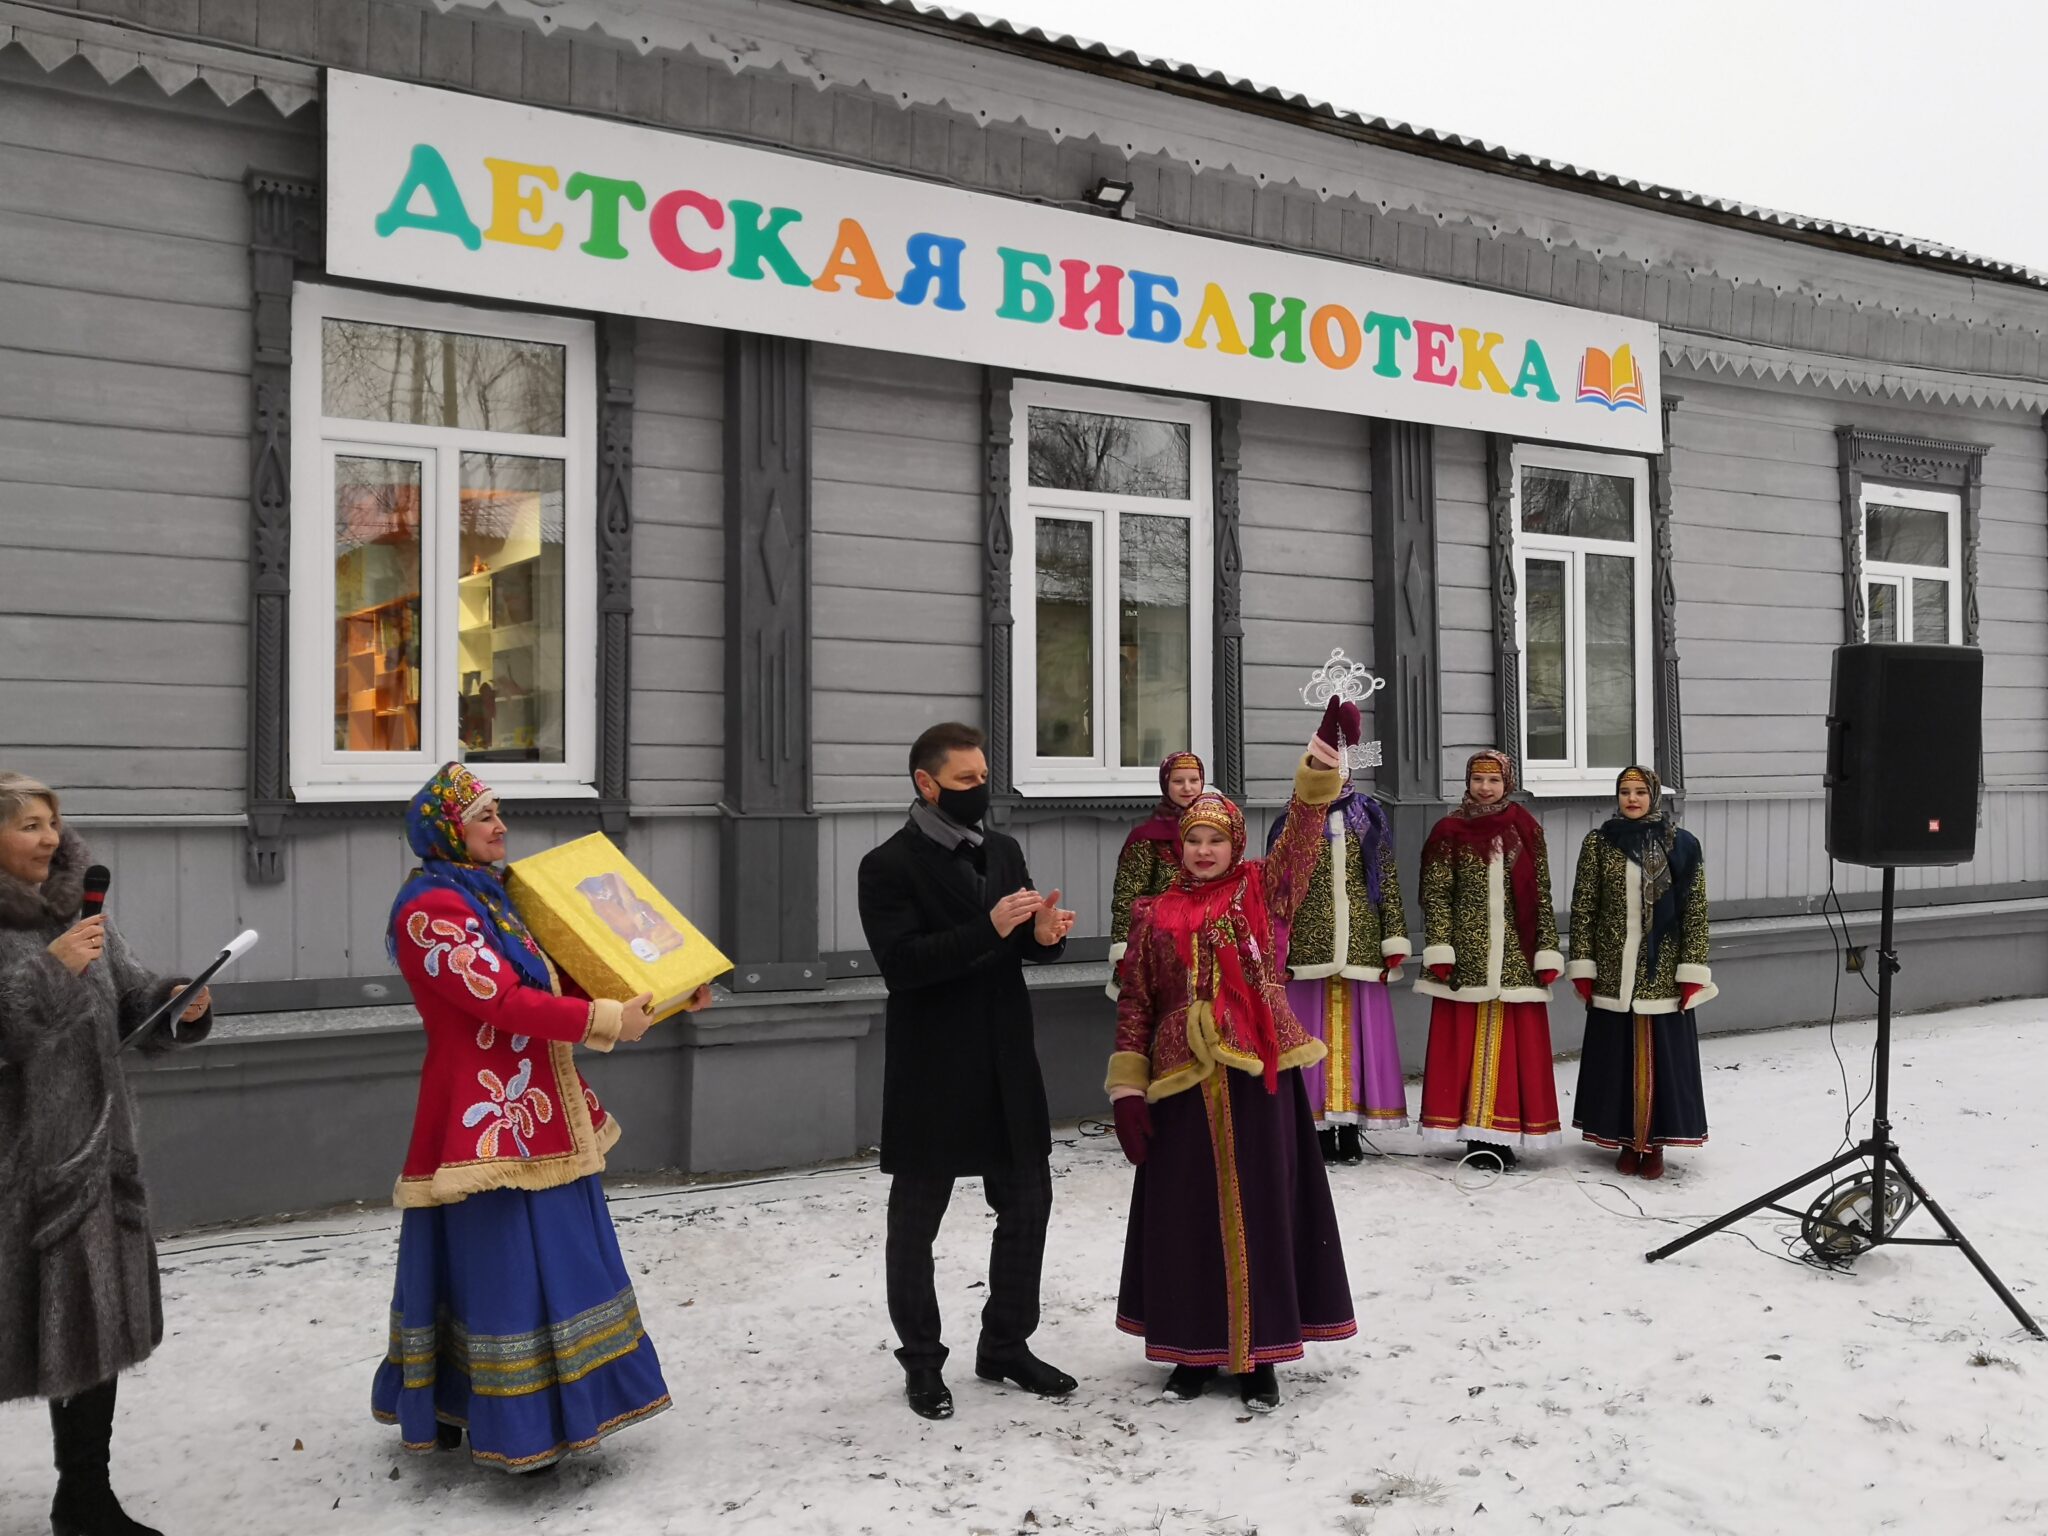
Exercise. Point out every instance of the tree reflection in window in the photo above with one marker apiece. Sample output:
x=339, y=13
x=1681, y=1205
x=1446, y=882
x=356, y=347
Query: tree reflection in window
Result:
x=1115, y=455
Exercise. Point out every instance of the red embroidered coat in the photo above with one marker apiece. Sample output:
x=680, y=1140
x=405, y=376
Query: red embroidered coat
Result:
x=1166, y=1040
x=501, y=1103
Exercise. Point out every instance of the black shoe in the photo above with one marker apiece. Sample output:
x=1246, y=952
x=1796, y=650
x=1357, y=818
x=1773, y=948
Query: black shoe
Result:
x=87, y=1507
x=1505, y=1156
x=448, y=1436
x=1350, y=1145
x=926, y=1389
x=1028, y=1371
x=1260, y=1389
x=1189, y=1382
x=1327, y=1136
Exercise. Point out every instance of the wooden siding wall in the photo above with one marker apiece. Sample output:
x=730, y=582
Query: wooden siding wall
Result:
x=179, y=893
x=1464, y=574
x=1305, y=488
x=1757, y=539
x=124, y=433
x=678, y=706
x=896, y=559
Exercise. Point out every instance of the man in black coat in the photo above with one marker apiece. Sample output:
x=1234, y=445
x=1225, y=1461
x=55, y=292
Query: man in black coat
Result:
x=951, y=916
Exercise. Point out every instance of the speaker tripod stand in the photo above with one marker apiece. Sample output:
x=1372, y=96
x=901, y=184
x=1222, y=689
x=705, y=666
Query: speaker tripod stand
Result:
x=1857, y=1222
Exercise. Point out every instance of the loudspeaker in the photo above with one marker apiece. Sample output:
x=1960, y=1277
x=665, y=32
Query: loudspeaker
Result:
x=1905, y=739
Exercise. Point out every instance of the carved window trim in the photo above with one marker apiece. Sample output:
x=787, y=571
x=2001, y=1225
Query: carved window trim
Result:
x=286, y=246
x=1227, y=742
x=1914, y=463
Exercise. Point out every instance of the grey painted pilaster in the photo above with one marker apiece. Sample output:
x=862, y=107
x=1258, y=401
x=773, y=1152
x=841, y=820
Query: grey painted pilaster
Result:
x=997, y=543
x=284, y=230
x=1407, y=715
x=1669, y=718
x=616, y=336
x=1227, y=772
x=1507, y=678
x=769, y=834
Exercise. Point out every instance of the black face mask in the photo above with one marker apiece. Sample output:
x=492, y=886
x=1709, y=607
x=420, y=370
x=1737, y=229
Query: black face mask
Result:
x=965, y=806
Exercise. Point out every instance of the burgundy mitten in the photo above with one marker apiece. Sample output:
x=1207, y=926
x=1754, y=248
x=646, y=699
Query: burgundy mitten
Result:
x=1545, y=978
x=1584, y=984
x=1440, y=972
x=1133, y=1127
x=1686, y=994
x=1340, y=715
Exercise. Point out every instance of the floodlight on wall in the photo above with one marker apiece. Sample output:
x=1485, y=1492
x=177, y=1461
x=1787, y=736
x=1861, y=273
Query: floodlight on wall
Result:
x=1114, y=197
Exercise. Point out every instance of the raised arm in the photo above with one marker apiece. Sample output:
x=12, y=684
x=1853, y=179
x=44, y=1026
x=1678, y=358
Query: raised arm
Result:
x=443, y=952
x=1291, y=863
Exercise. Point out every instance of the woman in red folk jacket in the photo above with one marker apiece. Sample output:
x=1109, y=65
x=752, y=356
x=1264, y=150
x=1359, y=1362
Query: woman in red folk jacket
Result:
x=513, y=1317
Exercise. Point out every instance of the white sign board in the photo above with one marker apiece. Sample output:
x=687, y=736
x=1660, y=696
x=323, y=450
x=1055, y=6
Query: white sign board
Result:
x=430, y=189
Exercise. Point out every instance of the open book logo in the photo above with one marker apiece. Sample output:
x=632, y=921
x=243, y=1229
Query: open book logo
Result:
x=1611, y=379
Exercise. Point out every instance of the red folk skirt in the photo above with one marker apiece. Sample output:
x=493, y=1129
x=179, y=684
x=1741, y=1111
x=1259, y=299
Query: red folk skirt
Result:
x=1489, y=1075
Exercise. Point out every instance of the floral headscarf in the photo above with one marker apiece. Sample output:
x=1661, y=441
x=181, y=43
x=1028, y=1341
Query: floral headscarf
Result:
x=1663, y=853
x=434, y=822
x=1504, y=823
x=1213, y=810
x=1163, y=825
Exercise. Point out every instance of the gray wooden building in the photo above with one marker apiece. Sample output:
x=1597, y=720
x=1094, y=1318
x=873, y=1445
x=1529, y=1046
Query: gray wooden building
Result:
x=698, y=584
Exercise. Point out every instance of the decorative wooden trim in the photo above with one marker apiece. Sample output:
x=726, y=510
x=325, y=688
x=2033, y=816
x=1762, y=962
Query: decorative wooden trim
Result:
x=997, y=545
x=284, y=234
x=617, y=335
x=1669, y=720
x=1407, y=645
x=1507, y=682
x=768, y=832
x=1227, y=684
x=1926, y=463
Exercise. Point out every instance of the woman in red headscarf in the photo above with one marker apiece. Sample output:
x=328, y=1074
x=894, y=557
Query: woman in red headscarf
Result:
x=1490, y=954
x=1151, y=854
x=1232, y=1258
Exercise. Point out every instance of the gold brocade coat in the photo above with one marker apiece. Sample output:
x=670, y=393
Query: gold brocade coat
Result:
x=1607, y=935
x=1167, y=1038
x=1141, y=870
x=1468, y=924
x=1338, y=929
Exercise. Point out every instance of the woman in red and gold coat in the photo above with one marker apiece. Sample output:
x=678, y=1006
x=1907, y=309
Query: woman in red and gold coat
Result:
x=1232, y=1258
x=513, y=1317
x=1490, y=954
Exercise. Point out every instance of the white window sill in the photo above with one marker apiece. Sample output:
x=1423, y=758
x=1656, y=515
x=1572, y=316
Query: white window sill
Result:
x=512, y=791
x=1572, y=789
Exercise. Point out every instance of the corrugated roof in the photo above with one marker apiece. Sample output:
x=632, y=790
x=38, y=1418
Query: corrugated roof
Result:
x=1001, y=33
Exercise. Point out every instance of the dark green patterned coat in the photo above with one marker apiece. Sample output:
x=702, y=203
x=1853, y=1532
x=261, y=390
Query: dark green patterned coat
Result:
x=1353, y=937
x=1141, y=870
x=1607, y=935
x=1469, y=925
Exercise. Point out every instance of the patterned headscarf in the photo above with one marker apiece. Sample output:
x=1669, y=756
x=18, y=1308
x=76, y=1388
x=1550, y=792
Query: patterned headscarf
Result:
x=1163, y=825
x=1479, y=827
x=1654, y=844
x=434, y=822
x=1213, y=810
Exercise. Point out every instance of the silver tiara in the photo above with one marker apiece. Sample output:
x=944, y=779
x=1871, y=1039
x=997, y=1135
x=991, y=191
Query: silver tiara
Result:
x=1342, y=678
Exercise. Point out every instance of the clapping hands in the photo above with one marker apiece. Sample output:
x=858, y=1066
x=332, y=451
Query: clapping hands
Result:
x=1051, y=922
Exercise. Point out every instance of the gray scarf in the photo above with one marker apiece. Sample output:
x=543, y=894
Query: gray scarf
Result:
x=941, y=828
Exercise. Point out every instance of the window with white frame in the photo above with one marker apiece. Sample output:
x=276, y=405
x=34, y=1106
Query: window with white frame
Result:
x=1110, y=587
x=443, y=546
x=1582, y=567
x=1912, y=551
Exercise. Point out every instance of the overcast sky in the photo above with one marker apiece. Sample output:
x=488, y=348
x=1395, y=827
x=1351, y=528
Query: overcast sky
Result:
x=1925, y=117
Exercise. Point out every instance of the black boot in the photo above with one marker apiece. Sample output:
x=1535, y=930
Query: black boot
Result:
x=448, y=1436
x=1260, y=1389
x=926, y=1389
x=1327, y=1136
x=83, y=1429
x=1189, y=1382
x=1028, y=1371
x=1350, y=1145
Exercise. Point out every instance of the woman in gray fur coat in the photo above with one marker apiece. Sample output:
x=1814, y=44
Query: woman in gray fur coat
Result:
x=78, y=1282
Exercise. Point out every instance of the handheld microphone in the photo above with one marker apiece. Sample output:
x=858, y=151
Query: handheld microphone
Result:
x=97, y=879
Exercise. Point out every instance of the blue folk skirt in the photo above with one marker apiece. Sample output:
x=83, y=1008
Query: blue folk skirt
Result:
x=513, y=1317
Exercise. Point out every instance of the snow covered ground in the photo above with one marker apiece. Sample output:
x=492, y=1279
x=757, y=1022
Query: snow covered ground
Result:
x=1520, y=1368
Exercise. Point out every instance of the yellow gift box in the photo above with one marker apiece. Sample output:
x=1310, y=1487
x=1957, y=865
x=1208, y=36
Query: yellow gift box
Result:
x=604, y=923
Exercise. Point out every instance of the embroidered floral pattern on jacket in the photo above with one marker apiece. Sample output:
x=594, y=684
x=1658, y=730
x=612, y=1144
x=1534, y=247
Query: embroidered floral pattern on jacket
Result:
x=513, y=1110
x=463, y=948
x=487, y=1036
